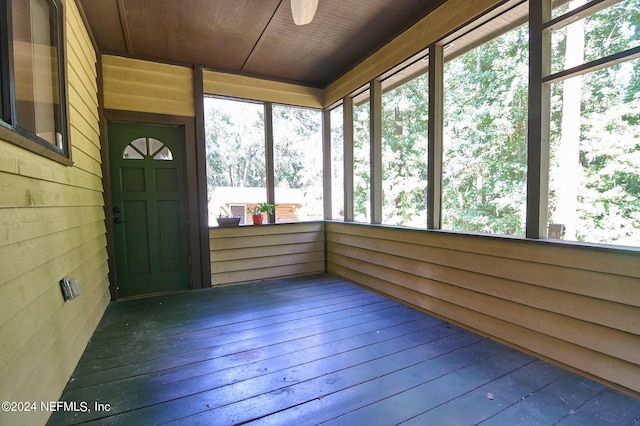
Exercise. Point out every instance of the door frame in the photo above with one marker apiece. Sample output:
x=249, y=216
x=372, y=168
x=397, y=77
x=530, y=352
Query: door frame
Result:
x=198, y=227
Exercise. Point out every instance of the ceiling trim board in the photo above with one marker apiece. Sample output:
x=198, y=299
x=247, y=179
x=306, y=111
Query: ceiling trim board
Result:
x=258, y=43
x=125, y=27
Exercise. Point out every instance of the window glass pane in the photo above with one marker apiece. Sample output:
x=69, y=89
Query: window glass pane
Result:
x=36, y=69
x=361, y=159
x=141, y=145
x=131, y=154
x=234, y=155
x=594, y=188
x=154, y=146
x=604, y=33
x=297, y=144
x=405, y=113
x=485, y=129
x=163, y=154
x=337, y=163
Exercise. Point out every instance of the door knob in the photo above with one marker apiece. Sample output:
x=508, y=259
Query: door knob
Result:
x=117, y=220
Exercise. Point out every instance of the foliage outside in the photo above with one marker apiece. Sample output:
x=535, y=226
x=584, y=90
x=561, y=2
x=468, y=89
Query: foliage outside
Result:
x=603, y=163
x=485, y=141
x=405, y=119
x=485, y=130
x=235, y=150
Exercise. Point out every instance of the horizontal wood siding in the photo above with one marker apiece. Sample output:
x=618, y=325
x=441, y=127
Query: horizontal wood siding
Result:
x=52, y=225
x=578, y=306
x=222, y=84
x=258, y=252
x=135, y=85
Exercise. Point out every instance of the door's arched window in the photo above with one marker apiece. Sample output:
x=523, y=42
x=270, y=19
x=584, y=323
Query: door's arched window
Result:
x=142, y=148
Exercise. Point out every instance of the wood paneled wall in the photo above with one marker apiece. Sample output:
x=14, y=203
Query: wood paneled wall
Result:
x=257, y=252
x=143, y=86
x=52, y=225
x=577, y=306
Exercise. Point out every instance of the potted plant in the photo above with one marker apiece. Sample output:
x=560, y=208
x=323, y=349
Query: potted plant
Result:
x=226, y=221
x=256, y=212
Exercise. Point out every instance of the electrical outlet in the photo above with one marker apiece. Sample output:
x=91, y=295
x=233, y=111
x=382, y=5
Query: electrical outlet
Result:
x=70, y=288
x=67, y=290
x=75, y=287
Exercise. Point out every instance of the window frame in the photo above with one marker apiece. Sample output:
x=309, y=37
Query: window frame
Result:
x=10, y=129
x=546, y=25
x=275, y=140
x=489, y=30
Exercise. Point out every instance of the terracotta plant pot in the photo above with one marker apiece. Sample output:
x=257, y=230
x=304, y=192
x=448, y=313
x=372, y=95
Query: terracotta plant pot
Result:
x=257, y=219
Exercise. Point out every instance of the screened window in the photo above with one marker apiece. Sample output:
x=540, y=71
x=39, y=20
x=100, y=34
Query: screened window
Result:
x=484, y=137
x=235, y=155
x=405, y=113
x=297, y=145
x=594, y=176
x=361, y=158
x=34, y=105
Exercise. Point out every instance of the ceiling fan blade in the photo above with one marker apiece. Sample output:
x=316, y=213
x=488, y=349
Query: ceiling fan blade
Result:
x=303, y=11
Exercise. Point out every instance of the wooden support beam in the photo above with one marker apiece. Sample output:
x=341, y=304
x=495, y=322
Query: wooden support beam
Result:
x=269, y=156
x=434, y=184
x=375, y=147
x=539, y=110
x=326, y=164
x=347, y=110
x=201, y=171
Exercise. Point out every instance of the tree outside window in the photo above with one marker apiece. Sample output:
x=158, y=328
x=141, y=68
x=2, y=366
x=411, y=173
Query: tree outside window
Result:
x=297, y=142
x=594, y=189
x=361, y=158
x=405, y=112
x=485, y=129
x=235, y=155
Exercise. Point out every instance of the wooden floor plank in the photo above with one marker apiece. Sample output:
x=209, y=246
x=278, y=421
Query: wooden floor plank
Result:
x=125, y=366
x=104, y=375
x=322, y=398
x=315, y=350
x=225, y=387
x=241, y=366
x=216, y=327
x=569, y=391
x=486, y=401
x=432, y=393
x=607, y=407
x=211, y=304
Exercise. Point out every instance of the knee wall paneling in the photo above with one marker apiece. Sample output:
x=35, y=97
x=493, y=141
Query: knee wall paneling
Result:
x=257, y=252
x=578, y=306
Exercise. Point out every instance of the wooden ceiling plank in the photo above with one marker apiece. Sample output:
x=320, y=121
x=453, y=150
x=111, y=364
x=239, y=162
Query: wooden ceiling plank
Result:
x=260, y=39
x=253, y=37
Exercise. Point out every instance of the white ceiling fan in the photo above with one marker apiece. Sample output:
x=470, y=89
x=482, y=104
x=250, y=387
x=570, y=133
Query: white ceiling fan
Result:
x=303, y=11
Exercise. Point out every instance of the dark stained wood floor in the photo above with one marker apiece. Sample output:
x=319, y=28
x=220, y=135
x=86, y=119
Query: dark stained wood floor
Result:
x=316, y=350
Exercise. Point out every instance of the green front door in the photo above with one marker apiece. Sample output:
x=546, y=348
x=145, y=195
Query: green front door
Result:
x=148, y=190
